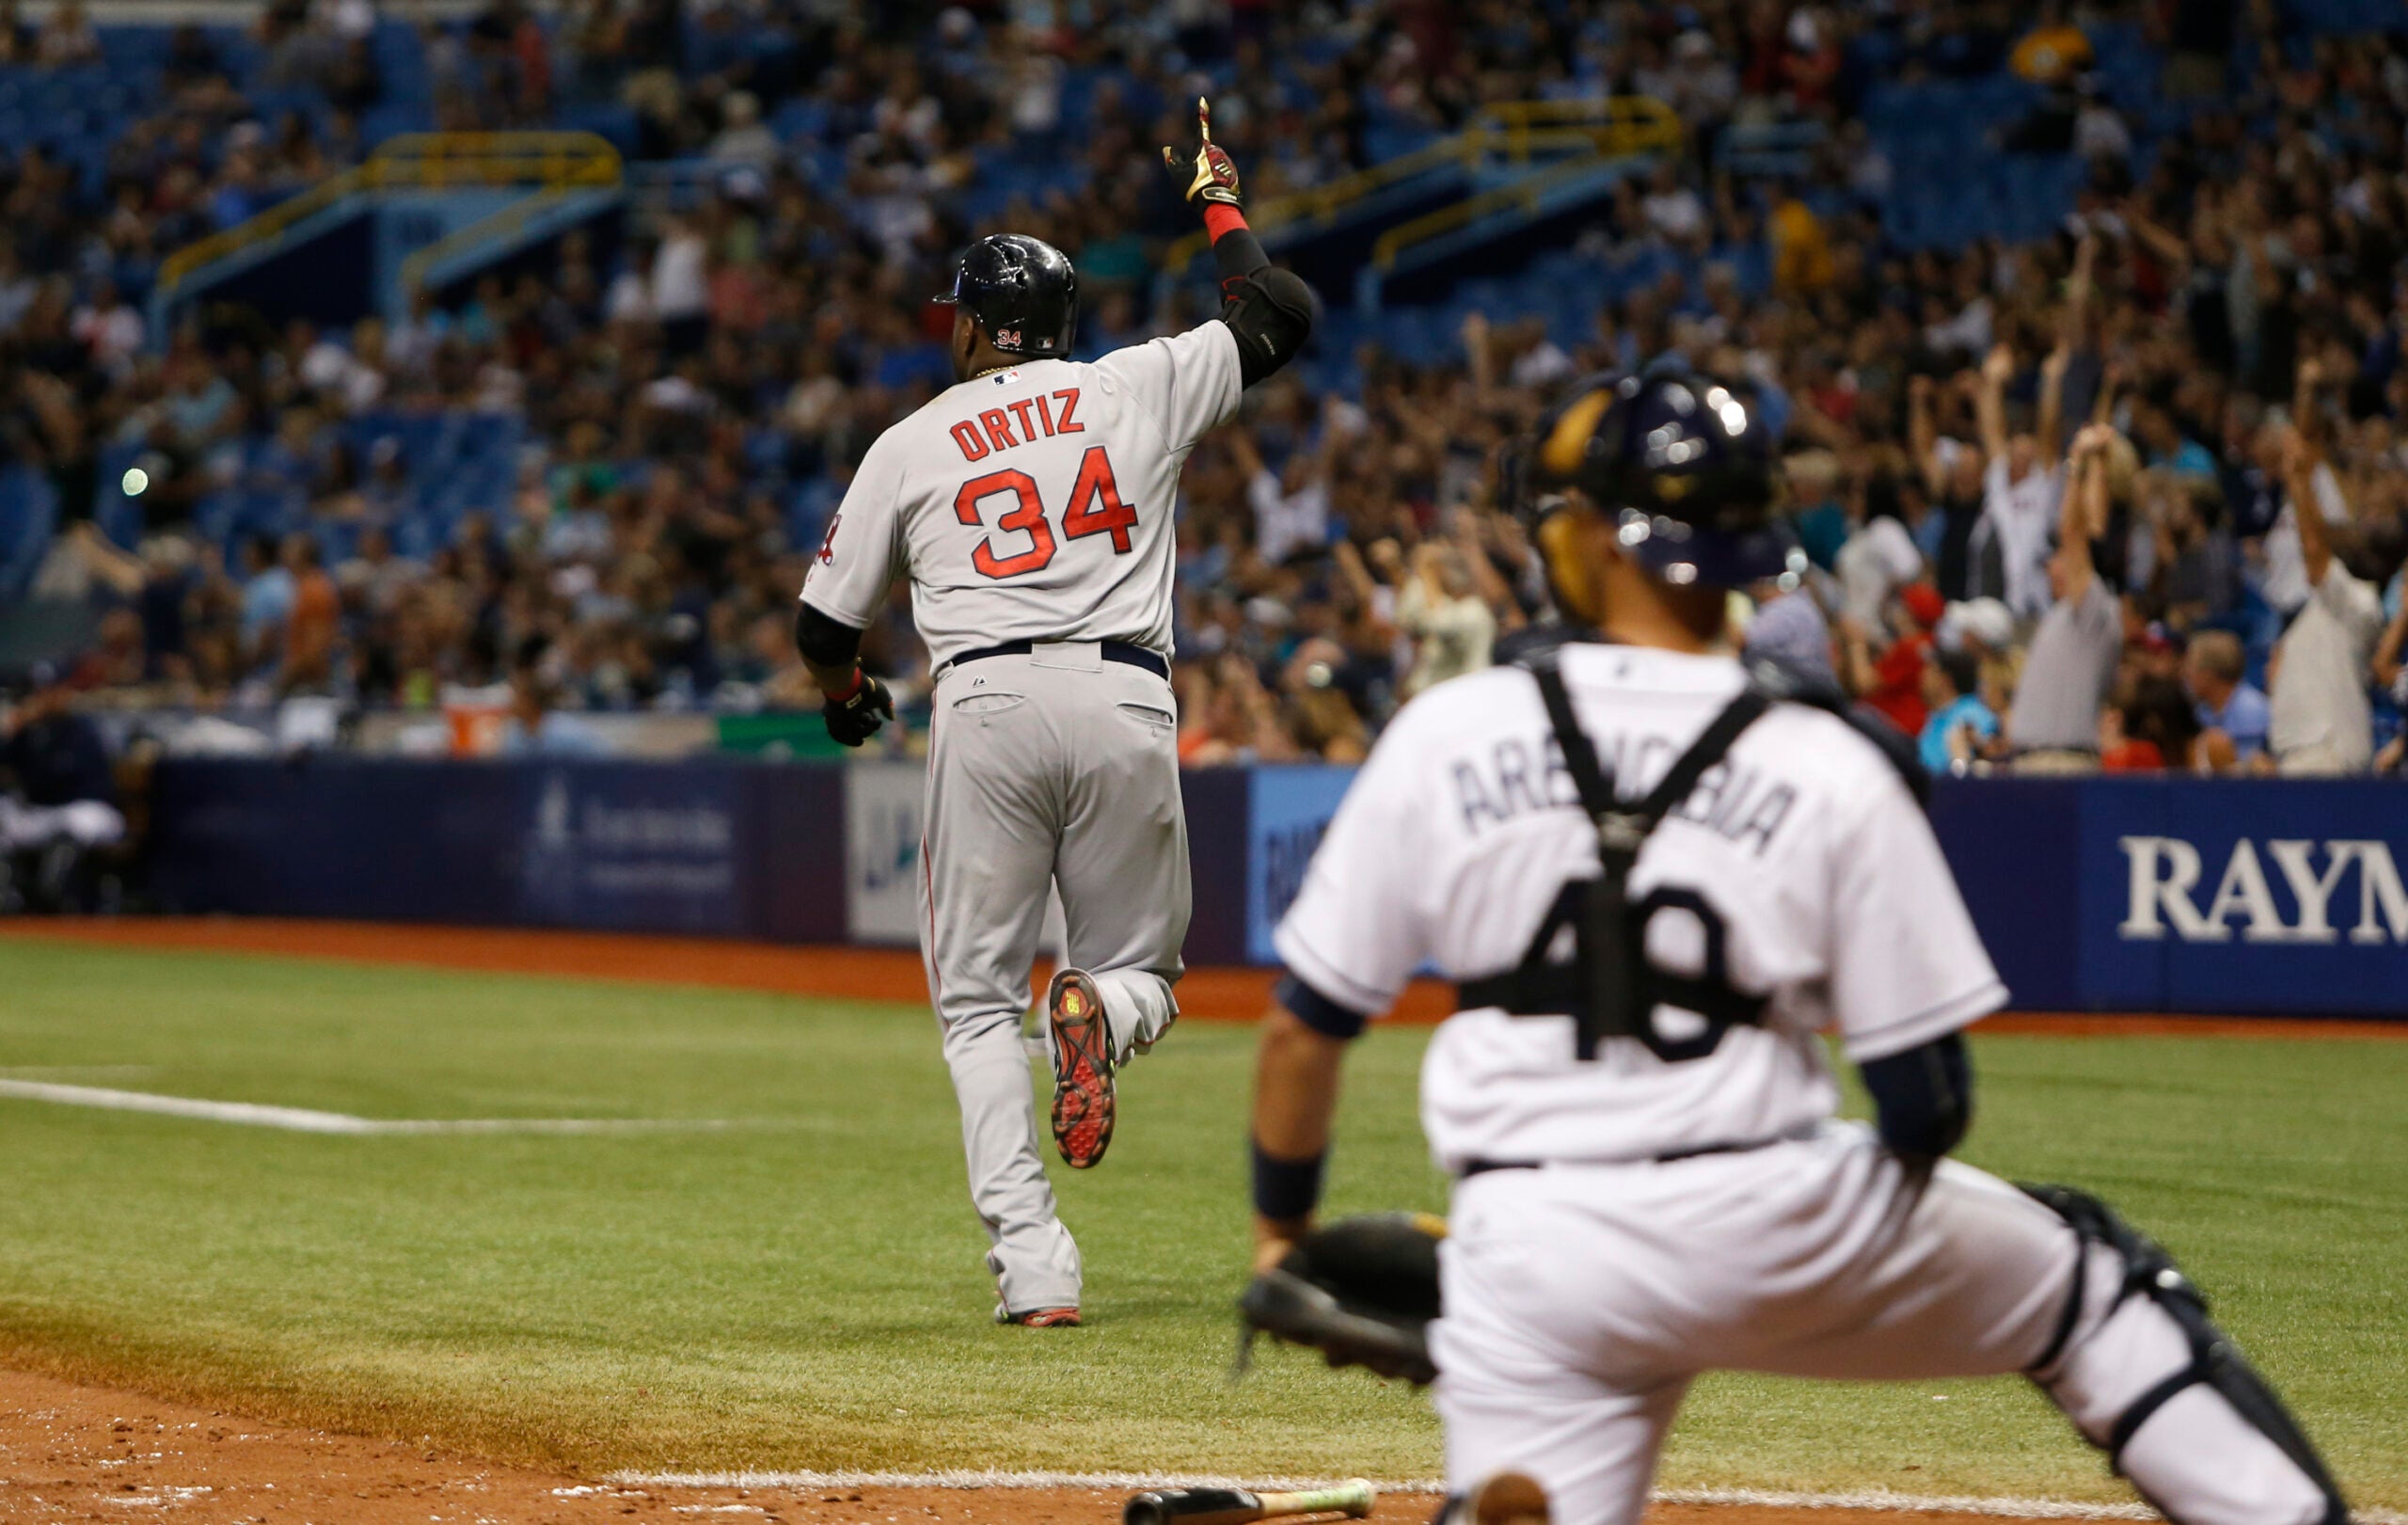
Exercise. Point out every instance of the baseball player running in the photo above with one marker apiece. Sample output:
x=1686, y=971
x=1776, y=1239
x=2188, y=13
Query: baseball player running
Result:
x=1654, y=879
x=1031, y=506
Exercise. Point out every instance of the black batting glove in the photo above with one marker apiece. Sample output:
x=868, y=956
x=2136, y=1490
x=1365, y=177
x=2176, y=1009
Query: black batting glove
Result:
x=857, y=717
x=1217, y=173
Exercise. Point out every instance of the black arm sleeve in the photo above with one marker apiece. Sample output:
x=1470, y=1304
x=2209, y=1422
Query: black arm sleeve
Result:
x=1923, y=1098
x=1318, y=1012
x=824, y=641
x=1270, y=310
x=1238, y=254
x=1272, y=314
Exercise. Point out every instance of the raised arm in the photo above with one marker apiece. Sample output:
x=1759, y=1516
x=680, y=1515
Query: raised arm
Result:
x=1270, y=310
x=1923, y=433
x=1990, y=403
x=2166, y=245
x=2050, y=426
x=2073, y=327
x=2082, y=505
x=2299, y=483
x=2308, y=412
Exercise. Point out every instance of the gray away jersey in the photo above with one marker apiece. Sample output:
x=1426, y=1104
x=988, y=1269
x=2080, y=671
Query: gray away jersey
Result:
x=1033, y=503
x=1823, y=880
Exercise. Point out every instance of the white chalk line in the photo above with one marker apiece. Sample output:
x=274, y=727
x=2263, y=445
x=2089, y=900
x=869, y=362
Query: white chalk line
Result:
x=1880, y=1500
x=302, y=1120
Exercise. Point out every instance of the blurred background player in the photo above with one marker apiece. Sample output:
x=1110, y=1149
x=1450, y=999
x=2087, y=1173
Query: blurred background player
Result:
x=1634, y=1099
x=1031, y=506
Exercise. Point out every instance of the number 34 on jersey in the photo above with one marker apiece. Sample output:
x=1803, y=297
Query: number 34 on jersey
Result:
x=1021, y=541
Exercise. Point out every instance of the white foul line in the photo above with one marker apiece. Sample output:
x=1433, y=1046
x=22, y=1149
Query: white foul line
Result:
x=1880, y=1500
x=301, y=1119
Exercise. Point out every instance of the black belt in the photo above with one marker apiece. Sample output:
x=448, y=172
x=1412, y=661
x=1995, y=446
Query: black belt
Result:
x=1481, y=1167
x=1114, y=651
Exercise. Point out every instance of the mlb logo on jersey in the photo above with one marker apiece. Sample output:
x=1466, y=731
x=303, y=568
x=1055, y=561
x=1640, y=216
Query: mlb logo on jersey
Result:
x=1005, y=378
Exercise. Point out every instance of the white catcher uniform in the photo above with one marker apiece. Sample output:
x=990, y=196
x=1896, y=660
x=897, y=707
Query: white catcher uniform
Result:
x=1653, y=1219
x=1035, y=504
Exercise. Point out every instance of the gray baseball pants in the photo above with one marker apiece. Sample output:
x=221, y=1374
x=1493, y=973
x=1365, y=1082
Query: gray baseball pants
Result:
x=1058, y=767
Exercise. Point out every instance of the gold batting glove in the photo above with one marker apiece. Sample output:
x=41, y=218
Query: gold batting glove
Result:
x=1216, y=174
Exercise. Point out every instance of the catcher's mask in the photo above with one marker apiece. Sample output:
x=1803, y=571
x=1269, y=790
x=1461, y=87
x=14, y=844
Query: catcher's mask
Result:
x=1683, y=464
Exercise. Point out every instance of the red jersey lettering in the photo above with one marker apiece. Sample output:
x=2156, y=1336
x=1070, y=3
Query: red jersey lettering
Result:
x=1027, y=514
x=1020, y=408
x=965, y=433
x=1069, y=396
x=1096, y=507
x=999, y=428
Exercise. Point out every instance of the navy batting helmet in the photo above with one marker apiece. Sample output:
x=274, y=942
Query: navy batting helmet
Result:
x=1685, y=464
x=1023, y=293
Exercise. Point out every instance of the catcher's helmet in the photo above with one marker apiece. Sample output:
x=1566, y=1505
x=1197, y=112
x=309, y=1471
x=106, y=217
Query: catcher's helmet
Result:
x=1023, y=293
x=1685, y=464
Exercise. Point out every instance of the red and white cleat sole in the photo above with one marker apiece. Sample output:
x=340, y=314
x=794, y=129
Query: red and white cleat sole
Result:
x=1083, y=1104
x=1039, y=1318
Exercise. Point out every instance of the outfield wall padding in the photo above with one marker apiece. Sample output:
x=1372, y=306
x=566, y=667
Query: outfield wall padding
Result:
x=2127, y=895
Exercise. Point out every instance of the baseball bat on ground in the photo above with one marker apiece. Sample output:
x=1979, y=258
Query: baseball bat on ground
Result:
x=1236, y=1506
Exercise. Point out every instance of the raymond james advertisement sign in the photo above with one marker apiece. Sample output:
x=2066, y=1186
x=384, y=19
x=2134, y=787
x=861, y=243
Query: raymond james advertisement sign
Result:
x=2244, y=896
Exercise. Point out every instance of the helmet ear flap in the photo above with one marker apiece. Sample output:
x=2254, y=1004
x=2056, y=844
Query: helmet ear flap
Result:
x=1571, y=575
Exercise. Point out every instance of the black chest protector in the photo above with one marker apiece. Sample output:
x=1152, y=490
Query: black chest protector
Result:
x=1608, y=985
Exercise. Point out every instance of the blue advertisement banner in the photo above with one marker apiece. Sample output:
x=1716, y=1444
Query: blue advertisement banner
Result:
x=2114, y=894
x=726, y=848
x=2243, y=897
x=627, y=847
x=1287, y=810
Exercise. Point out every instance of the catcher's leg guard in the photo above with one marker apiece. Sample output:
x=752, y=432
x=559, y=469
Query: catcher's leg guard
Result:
x=2147, y=1377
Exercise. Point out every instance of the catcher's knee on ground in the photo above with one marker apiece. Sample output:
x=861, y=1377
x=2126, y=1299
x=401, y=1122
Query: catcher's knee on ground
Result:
x=2146, y=1376
x=1591, y=1449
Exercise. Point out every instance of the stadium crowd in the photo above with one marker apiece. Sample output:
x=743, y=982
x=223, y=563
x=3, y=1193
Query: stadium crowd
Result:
x=2128, y=497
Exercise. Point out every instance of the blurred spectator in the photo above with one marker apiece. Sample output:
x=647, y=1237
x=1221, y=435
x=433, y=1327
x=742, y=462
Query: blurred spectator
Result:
x=2054, y=723
x=2214, y=670
x=1893, y=684
x=1961, y=725
x=536, y=727
x=68, y=38
x=2320, y=720
x=1789, y=629
x=2155, y=729
x=57, y=800
x=1291, y=506
x=1453, y=627
x=2021, y=486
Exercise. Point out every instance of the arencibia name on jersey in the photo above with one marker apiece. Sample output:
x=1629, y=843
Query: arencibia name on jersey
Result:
x=1521, y=774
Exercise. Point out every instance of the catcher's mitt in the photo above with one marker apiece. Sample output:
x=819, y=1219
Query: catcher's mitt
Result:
x=1362, y=1291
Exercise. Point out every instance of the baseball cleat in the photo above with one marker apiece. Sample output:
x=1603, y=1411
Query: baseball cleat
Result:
x=1039, y=1318
x=1082, y=1070
x=1506, y=1499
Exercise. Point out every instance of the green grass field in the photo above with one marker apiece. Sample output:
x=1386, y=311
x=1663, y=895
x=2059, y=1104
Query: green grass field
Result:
x=805, y=1289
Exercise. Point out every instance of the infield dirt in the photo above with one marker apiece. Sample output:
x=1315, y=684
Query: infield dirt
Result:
x=74, y=1452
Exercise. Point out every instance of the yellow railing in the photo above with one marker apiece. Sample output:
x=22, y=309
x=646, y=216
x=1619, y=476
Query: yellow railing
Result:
x=508, y=218
x=1618, y=125
x=420, y=160
x=1631, y=124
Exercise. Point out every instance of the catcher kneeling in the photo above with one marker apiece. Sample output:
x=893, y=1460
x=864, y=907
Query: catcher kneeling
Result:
x=1656, y=876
